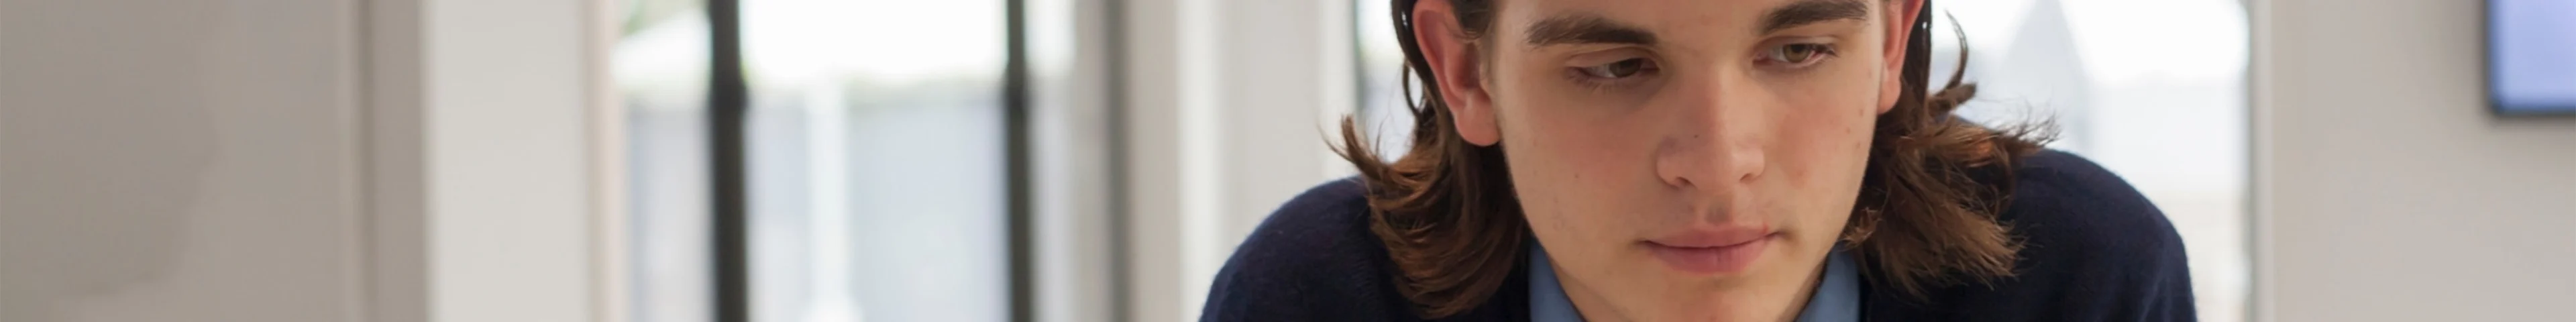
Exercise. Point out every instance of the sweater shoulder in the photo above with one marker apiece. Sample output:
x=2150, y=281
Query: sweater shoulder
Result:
x=2093, y=249
x=2063, y=204
x=1313, y=259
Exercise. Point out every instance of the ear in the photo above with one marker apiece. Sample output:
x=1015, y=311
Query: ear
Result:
x=1901, y=15
x=1455, y=65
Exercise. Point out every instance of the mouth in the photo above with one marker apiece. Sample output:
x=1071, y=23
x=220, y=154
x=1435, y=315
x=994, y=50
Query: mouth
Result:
x=1725, y=251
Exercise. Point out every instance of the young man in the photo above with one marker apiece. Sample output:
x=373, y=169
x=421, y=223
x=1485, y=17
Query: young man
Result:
x=1701, y=160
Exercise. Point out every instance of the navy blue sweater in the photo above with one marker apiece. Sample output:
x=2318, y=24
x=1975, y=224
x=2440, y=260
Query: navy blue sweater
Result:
x=2095, y=250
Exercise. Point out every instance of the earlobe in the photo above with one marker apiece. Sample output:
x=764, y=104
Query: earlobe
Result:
x=1472, y=110
x=1453, y=57
x=1891, y=86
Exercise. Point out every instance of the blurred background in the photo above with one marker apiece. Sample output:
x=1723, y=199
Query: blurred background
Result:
x=1094, y=160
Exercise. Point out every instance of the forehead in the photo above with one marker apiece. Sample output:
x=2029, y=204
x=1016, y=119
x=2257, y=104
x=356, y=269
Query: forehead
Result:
x=1674, y=19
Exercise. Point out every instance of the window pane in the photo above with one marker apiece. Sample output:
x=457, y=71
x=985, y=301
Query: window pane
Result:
x=877, y=160
x=660, y=66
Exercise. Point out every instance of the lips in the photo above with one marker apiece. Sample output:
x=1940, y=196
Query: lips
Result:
x=1715, y=251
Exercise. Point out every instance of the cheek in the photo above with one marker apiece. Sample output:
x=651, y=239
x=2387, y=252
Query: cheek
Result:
x=1823, y=150
x=1563, y=140
x=1830, y=124
x=1561, y=163
x=1831, y=117
x=1571, y=157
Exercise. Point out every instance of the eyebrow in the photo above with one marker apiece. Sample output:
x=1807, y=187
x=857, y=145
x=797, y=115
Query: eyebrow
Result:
x=1814, y=11
x=1582, y=28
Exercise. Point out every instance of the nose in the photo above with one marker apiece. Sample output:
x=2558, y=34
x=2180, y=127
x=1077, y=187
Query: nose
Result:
x=1713, y=144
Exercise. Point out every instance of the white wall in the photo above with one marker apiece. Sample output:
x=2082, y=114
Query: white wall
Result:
x=513, y=143
x=179, y=161
x=315, y=160
x=2387, y=191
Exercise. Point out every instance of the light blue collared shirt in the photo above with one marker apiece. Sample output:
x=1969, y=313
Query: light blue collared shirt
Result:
x=1837, y=298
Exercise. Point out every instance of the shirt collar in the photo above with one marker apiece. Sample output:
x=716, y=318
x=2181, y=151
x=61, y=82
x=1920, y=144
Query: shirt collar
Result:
x=1836, y=299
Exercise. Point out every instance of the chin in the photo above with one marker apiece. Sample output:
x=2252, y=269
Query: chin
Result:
x=1711, y=310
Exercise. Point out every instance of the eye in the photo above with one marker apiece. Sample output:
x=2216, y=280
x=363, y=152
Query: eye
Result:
x=1618, y=69
x=1798, y=54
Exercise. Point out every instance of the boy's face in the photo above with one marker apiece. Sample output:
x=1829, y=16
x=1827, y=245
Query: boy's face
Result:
x=1679, y=159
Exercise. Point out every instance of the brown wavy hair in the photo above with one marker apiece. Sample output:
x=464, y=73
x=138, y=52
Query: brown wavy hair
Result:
x=1925, y=216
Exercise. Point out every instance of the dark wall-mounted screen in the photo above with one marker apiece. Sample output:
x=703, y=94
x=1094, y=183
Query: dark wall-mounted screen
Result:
x=2531, y=56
